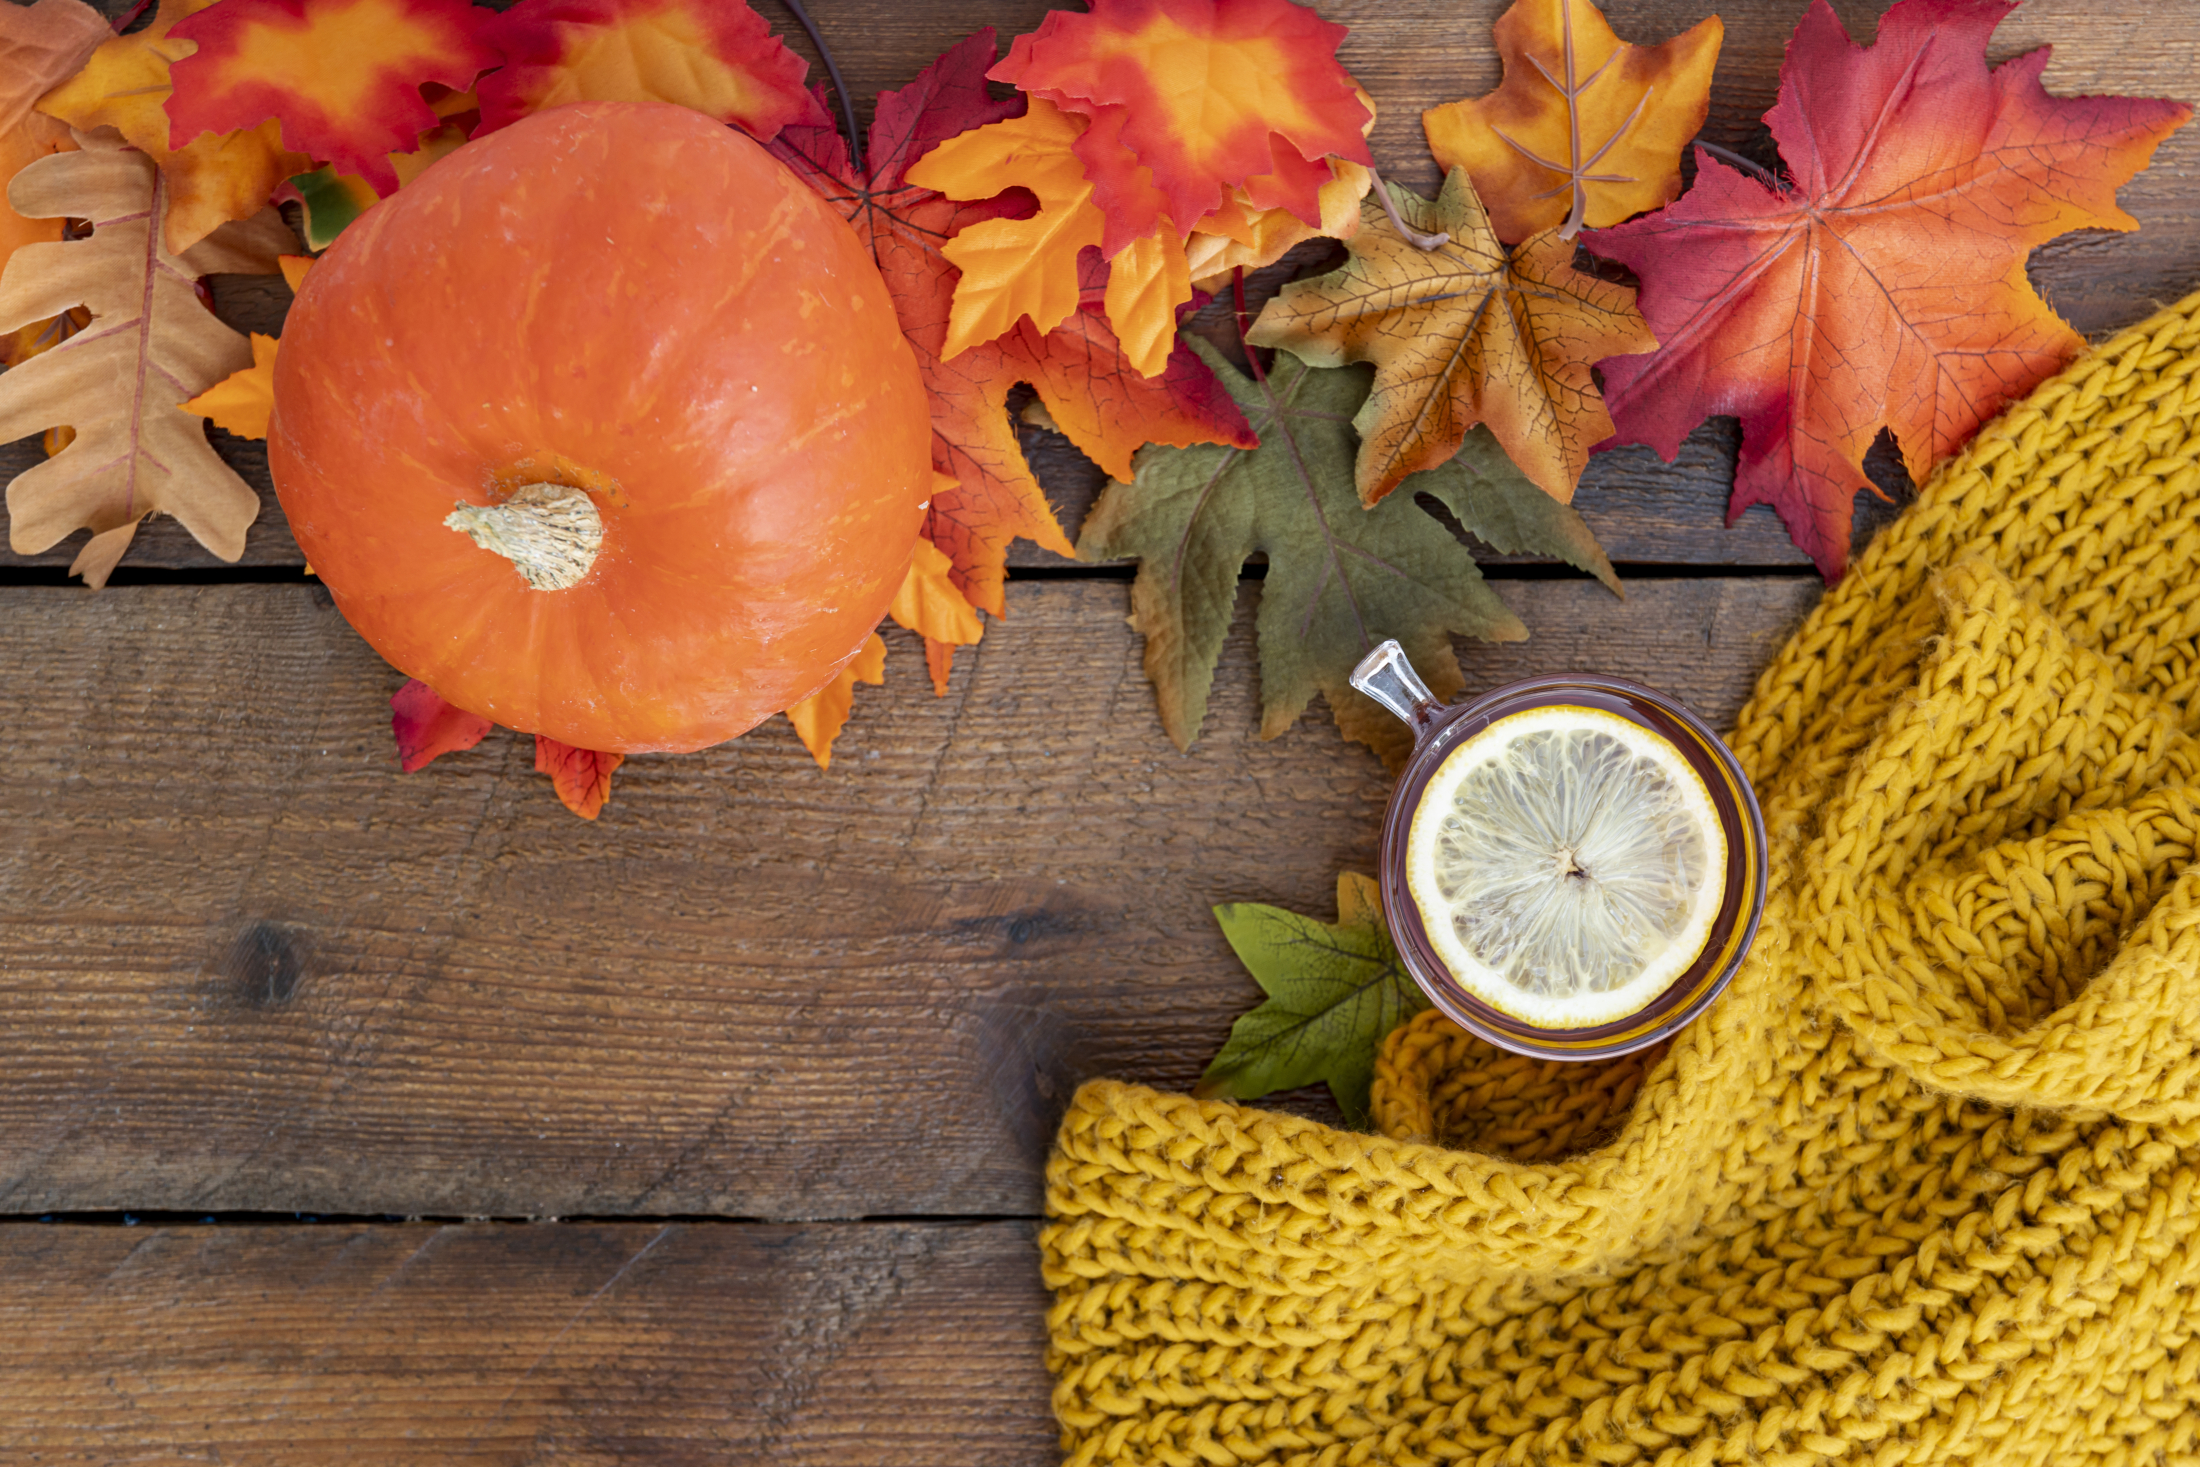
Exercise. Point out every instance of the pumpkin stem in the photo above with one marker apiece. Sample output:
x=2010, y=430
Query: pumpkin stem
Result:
x=550, y=532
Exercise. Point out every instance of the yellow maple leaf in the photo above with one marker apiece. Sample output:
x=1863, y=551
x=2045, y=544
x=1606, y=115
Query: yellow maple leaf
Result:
x=1585, y=129
x=929, y=604
x=819, y=718
x=294, y=268
x=241, y=401
x=1461, y=334
x=122, y=383
x=1014, y=268
x=1238, y=236
x=213, y=179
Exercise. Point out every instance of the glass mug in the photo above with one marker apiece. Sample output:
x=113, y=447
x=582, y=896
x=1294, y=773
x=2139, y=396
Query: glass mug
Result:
x=1439, y=729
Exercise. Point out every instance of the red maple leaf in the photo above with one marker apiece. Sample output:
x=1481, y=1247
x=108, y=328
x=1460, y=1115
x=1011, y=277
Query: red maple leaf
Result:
x=425, y=726
x=1105, y=406
x=1885, y=284
x=343, y=75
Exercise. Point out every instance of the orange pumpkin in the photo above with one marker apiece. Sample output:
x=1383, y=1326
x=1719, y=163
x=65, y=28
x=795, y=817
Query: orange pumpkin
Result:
x=604, y=429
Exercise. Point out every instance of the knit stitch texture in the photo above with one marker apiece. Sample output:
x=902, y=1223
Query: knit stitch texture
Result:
x=1918, y=1189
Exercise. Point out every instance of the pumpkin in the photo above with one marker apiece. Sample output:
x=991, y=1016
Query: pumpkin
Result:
x=604, y=429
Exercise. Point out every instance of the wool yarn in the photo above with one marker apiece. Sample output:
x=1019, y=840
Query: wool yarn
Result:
x=1919, y=1188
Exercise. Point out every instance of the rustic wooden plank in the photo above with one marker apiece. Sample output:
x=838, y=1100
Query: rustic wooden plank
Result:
x=249, y=965
x=869, y=1345
x=1412, y=54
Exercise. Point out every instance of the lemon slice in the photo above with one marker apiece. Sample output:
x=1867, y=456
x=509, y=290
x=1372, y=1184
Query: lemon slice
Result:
x=1568, y=865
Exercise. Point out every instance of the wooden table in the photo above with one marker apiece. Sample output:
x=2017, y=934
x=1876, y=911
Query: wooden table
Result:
x=357, y=1117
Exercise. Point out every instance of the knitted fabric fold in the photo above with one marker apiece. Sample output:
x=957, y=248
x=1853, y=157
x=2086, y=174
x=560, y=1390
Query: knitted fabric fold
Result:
x=1919, y=1188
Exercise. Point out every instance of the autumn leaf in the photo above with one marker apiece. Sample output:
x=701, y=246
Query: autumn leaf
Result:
x=929, y=604
x=426, y=727
x=212, y=179
x=330, y=201
x=1078, y=368
x=41, y=45
x=1241, y=236
x=819, y=718
x=342, y=76
x=241, y=401
x=1884, y=285
x=716, y=56
x=1584, y=128
x=582, y=777
x=120, y=384
x=1335, y=991
x=1197, y=97
x=1340, y=578
x=1014, y=269
x=1459, y=335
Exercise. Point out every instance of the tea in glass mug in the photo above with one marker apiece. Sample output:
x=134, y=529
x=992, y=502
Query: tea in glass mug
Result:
x=1572, y=866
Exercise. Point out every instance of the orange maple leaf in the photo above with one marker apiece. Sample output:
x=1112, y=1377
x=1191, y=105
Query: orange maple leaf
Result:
x=426, y=727
x=342, y=76
x=819, y=718
x=1196, y=97
x=930, y=605
x=1078, y=368
x=1014, y=268
x=1884, y=285
x=1584, y=128
x=582, y=777
x=716, y=56
x=241, y=401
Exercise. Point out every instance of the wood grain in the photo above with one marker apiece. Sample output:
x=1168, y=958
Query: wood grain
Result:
x=1412, y=54
x=868, y=1345
x=252, y=966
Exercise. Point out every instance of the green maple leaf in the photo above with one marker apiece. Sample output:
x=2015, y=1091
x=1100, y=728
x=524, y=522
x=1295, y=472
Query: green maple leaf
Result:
x=1341, y=578
x=1334, y=992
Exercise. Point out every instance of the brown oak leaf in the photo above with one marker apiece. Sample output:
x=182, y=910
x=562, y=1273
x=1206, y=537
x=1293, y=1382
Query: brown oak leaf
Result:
x=152, y=346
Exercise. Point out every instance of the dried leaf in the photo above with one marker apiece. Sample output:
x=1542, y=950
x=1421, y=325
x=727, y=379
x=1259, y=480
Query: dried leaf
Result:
x=1198, y=97
x=1078, y=368
x=930, y=605
x=425, y=726
x=122, y=383
x=1460, y=335
x=212, y=179
x=716, y=56
x=1584, y=128
x=819, y=718
x=342, y=76
x=1340, y=578
x=41, y=45
x=582, y=777
x=240, y=402
x=1335, y=991
x=1885, y=285
x=1014, y=269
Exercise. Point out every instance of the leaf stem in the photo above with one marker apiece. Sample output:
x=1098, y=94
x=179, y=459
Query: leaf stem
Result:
x=129, y=17
x=1771, y=179
x=1252, y=353
x=1406, y=232
x=832, y=69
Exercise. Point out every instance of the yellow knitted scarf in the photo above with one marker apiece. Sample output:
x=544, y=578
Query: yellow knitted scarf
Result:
x=1920, y=1188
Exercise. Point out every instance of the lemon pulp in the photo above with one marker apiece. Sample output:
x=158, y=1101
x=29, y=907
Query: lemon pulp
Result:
x=1568, y=865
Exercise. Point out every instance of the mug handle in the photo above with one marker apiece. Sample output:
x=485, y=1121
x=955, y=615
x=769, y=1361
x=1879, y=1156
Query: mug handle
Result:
x=1387, y=676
